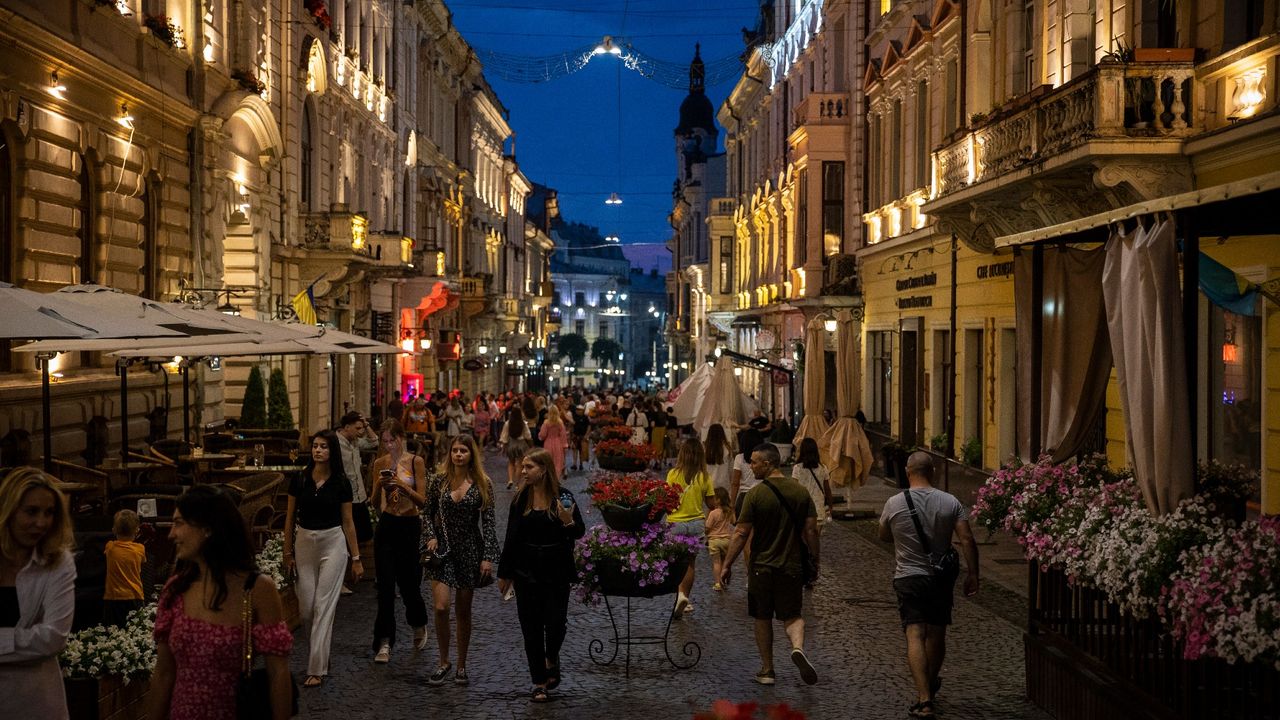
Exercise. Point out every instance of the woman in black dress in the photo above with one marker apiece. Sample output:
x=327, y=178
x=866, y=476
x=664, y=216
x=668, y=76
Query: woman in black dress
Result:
x=459, y=527
x=537, y=557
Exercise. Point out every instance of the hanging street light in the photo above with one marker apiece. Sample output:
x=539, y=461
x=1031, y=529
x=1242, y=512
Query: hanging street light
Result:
x=613, y=199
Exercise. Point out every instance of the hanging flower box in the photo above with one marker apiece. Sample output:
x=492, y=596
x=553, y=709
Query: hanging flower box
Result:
x=164, y=30
x=249, y=81
x=319, y=13
x=628, y=501
x=647, y=563
x=107, y=668
x=615, y=454
x=615, y=579
x=628, y=519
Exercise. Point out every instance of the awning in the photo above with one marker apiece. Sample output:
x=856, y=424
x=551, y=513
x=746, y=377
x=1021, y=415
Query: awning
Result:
x=1253, y=213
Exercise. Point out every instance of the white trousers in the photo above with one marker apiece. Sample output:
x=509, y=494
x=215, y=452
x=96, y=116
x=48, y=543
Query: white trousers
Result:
x=321, y=557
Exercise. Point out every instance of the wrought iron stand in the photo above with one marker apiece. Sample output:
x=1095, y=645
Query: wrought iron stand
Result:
x=597, y=648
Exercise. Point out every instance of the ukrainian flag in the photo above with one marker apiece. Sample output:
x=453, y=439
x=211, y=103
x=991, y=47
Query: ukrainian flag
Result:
x=304, y=304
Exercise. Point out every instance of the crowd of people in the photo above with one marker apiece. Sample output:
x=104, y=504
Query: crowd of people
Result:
x=418, y=488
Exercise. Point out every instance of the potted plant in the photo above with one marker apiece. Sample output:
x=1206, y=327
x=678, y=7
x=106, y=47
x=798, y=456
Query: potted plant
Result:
x=629, y=501
x=782, y=436
x=253, y=408
x=938, y=443
x=971, y=452
x=647, y=563
x=279, y=414
x=249, y=81
x=110, y=666
x=164, y=30
x=319, y=13
x=623, y=455
x=271, y=563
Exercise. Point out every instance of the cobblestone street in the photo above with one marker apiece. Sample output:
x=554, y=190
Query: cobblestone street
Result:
x=853, y=638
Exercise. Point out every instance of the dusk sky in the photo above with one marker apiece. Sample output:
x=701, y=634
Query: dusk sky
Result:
x=567, y=130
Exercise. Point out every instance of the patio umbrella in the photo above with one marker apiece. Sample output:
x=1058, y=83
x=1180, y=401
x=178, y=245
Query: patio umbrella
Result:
x=845, y=444
x=813, y=425
x=26, y=317
x=689, y=395
x=724, y=401
x=112, y=315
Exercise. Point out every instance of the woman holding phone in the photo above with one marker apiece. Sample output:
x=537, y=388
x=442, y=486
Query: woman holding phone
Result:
x=537, y=557
x=399, y=491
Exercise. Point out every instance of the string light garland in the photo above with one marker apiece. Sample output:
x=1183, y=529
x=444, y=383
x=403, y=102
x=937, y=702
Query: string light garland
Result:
x=531, y=70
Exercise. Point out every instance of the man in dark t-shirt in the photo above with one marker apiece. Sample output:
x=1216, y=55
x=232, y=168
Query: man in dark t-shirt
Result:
x=785, y=525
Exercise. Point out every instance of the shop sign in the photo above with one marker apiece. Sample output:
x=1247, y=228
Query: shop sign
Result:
x=915, y=301
x=917, y=281
x=995, y=270
x=474, y=364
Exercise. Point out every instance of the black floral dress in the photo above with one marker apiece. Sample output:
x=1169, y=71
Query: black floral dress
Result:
x=465, y=532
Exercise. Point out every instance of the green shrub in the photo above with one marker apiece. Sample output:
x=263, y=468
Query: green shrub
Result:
x=279, y=415
x=971, y=452
x=253, y=409
x=938, y=443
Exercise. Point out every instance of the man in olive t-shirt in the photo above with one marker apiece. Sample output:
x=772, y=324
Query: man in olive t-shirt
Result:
x=775, y=578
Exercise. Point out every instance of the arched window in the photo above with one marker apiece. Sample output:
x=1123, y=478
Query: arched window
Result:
x=87, y=262
x=150, y=270
x=307, y=159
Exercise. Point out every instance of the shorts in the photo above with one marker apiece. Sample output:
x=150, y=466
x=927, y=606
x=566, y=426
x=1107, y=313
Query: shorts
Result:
x=692, y=528
x=772, y=593
x=718, y=546
x=924, y=599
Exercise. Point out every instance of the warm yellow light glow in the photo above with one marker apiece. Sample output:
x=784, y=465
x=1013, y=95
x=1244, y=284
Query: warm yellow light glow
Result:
x=406, y=250
x=800, y=289
x=359, y=232
x=972, y=150
x=1248, y=94
x=56, y=88
x=408, y=344
x=208, y=52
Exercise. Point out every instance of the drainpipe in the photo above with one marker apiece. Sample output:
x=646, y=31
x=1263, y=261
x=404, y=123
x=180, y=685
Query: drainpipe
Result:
x=951, y=371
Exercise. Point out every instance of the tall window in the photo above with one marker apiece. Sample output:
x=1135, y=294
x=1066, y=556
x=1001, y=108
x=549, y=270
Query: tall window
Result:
x=150, y=239
x=307, y=158
x=922, y=134
x=832, y=207
x=580, y=327
x=895, y=150
x=1028, y=46
x=87, y=263
x=974, y=386
x=1234, y=353
x=877, y=164
x=940, y=392
x=951, y=103
x=726, y=265
x=802, y=219
x=880, y=379
x=579, y=299
x=1242, y=22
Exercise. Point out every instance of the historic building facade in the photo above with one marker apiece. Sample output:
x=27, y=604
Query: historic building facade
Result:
x=793, y=167
x=244, y=155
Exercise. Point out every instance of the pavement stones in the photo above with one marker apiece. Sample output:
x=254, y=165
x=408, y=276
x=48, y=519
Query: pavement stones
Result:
x=853, y=639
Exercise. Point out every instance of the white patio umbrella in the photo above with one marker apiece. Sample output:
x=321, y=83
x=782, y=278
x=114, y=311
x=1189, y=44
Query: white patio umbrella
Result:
x=845, y=444
x=813, y=425
x=724, y=402
x=689, y=394
x=26, y=317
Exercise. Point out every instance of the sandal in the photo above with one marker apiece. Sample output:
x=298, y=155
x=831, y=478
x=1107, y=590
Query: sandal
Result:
x=437, y=677
x=553, y=677
x=921, y=710
x=460, y=678
x=313, y=681
x=539, y=695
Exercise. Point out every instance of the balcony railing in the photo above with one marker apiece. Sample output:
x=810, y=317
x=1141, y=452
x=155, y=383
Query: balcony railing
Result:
x=472, y=287
x=723, y=206
x=337, y=230
x=1138, y=101
x=823, y=109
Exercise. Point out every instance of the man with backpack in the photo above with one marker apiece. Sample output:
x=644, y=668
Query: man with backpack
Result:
x=919, y=522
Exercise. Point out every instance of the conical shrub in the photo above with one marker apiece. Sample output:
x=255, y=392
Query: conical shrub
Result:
x=279, y=415
x=253, y=409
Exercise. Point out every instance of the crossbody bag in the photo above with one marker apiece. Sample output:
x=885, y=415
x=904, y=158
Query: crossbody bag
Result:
x=946, y=567
x=807, y=569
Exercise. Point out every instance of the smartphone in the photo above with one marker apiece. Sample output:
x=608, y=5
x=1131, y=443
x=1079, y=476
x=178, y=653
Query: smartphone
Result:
x=566, y=501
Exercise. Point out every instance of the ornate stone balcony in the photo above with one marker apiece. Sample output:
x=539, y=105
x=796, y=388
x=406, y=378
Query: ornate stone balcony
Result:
x=822, y=108
x=1108, y=138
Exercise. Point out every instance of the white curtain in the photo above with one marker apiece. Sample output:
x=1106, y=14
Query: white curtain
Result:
x=1140, y=283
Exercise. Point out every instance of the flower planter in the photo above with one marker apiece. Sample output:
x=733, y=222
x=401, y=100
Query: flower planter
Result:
x=628, y=519
x=620, y=463
x=615, y=582
x=1164, y=54
x=784, y=450
x=107, y=698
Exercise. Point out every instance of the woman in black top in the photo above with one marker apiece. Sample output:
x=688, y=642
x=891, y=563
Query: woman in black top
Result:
x=537, y=557
x=320, y=507
x=578, y=437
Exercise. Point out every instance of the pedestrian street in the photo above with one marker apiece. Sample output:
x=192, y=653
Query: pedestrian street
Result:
x=853, y=637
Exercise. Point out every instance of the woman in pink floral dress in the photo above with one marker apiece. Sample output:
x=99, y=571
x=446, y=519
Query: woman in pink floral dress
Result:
x=555, y=438
x=198, y=627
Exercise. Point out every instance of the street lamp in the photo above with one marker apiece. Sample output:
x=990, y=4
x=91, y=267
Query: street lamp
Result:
x=502, y=349
x=483, y=349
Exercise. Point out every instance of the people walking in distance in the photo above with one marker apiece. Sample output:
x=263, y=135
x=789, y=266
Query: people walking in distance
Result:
x=125, y=555
x=37, y=594
x=537, y=560
x=696, y=492
x=719, y=531
x=719, y=457
x=920, y=522
x=469, y=422
x=638, y=422
x=578, y=442
x=812, y=476
x=319, y=511
x=354, y=437
x=742, y=478
x=555, y=438
x=453, y=417
x=480, y=420
x=515, y=441
x=459, y=528
x=395, y=408
x=399, y=492
x=199, y=631
x=781, y=521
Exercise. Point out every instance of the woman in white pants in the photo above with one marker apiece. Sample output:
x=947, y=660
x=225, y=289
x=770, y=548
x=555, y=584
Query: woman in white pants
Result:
x=320, y=508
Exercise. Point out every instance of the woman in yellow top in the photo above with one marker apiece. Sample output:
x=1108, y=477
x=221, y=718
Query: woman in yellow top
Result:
x=697, y=492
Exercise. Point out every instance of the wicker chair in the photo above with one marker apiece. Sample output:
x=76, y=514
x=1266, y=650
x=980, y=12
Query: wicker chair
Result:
x=257, y=500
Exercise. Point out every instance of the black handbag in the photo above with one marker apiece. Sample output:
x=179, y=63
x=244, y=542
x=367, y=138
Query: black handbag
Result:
x=808, y=571
x=426, y=558
x=253, y=686
x=947, y=567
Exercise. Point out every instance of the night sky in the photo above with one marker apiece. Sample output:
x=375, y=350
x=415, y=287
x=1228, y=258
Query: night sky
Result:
x=567, y=130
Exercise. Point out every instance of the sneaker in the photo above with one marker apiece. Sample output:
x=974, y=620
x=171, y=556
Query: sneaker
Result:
x=766, y=677
x=682, y=602
x=384, y=654
x=347, y=591
x=717, y=587
x=420, y=638
x=807, y=671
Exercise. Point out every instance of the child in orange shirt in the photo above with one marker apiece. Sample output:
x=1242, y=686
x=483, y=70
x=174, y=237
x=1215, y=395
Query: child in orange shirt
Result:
x=123, y=592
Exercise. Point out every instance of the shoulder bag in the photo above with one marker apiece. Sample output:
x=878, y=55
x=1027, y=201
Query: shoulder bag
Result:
x=807, y=569
x=435, y=560
x=946, y=567
x=253, y=686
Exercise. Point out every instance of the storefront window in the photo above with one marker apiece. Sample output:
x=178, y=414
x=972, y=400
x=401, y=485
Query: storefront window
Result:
x=832, y=207
x=880, y=377
x=1234, y=402
x=726, y=265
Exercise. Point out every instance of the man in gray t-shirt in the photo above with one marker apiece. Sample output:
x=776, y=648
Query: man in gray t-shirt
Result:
x=924, y=598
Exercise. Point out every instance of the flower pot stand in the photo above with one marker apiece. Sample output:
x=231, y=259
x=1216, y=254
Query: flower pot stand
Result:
x=626, y=639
